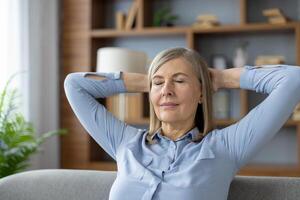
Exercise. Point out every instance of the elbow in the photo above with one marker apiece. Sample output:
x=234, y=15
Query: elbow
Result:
x=294, y=75
x=293, y=80
x=296, y=79
x=70, y=81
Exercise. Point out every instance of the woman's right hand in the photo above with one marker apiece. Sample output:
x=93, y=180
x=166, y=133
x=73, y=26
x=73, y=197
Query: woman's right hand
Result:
x=135, y=82
x=216, y=77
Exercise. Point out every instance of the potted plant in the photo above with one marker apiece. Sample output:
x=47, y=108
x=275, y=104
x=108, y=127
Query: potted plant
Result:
x=163, y=17
x=18, y=140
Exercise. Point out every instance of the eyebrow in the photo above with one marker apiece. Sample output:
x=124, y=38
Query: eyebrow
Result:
x=174, y=75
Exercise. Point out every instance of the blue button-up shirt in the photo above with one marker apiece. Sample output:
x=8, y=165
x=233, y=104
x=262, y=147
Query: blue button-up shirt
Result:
x=183, y=169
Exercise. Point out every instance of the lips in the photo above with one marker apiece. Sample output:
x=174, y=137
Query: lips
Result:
x=169, y=104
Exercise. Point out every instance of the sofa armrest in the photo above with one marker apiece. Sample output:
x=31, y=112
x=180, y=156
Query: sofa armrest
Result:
x=57, y=184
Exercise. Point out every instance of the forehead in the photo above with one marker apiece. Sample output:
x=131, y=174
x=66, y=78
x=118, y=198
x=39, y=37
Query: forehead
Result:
x=175, y=66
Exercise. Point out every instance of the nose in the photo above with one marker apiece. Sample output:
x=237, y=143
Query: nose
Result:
x=167, y=89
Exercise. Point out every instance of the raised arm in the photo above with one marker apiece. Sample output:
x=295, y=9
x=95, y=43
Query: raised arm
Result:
x=82, y=90
x=134, y=82
x=282, y=82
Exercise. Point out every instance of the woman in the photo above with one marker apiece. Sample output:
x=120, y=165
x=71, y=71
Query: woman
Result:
x=182, y=156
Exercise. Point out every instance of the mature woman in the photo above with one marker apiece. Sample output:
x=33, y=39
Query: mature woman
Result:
x=182, y=156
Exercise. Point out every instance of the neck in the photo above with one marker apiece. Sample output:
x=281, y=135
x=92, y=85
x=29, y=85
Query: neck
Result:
x=176, y=130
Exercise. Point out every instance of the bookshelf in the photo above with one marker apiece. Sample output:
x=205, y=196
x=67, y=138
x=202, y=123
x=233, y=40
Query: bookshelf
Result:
x=87, y=26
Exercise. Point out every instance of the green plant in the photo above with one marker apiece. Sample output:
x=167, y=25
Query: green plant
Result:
x=18, y=140
x=163, y=17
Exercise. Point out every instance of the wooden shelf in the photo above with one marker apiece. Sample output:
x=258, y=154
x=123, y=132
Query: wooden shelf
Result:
x=224, y=122
x=99, y=165
x=270, y=170
x=143, y=121
x=227, y=122
x=110, y=33
x=291, y=122
x=160, y=31
x=248, y=28
x=106, y=166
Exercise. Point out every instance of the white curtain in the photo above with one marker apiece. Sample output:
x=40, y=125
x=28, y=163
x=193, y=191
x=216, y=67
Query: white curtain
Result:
x=44, y=76
x=29, y=42
x=14, y=48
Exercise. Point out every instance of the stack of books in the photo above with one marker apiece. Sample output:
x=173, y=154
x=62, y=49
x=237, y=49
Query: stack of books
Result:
x=127, y=22
x=269, y=60
x=275, y=16
x=206, y=21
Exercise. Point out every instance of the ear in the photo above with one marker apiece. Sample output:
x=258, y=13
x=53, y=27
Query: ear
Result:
x=200, y=98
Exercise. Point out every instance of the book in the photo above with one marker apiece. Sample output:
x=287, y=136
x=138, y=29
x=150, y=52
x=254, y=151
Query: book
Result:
x=204, y=25
x=120, y=20
x=207, y=18
x=269, y=60
x=132, y=14
x=277, y=20
x=271, y=12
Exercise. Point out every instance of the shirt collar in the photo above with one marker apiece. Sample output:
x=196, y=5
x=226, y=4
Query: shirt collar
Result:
x=190, y=135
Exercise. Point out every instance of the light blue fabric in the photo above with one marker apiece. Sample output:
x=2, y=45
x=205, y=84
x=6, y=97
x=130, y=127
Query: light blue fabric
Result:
x=183, y=169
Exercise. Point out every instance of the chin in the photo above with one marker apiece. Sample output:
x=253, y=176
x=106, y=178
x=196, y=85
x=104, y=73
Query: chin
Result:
x=169, y=119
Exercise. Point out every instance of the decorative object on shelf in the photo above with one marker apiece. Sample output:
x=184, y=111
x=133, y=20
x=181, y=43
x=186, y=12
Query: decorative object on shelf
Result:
x=18, y=138
x=296, y=113
x=206, y=21
x=275, y=16
x=164, y=17
x=132, y=15
x=221, y=98
x=219, y=61
x=269, y=60
x=221, y=104
x=115, y=59
x=240, y=57
x=120, y=20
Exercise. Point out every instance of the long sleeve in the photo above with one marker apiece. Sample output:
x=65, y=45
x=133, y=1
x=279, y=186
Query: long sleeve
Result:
x=282, y=84
x=104, y=128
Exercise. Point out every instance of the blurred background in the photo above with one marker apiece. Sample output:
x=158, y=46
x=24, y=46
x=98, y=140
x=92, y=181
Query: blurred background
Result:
x=47, y=39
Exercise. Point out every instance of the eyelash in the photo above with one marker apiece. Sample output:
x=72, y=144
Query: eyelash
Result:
x=179, y=81
x=159, y=83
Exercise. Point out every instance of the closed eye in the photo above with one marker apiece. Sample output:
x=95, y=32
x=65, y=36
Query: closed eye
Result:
x=160, y=82
x=157, y=83
x=179, y=81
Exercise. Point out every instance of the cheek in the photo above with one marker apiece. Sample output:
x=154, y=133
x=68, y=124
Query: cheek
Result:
x=190, y=101
x=154, y=98
x=190, y=98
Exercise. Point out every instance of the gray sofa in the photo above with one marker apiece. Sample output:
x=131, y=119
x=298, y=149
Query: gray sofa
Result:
x=62, y=184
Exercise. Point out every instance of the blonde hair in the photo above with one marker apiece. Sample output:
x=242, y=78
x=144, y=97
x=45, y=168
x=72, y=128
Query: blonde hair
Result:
x=203, y=118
